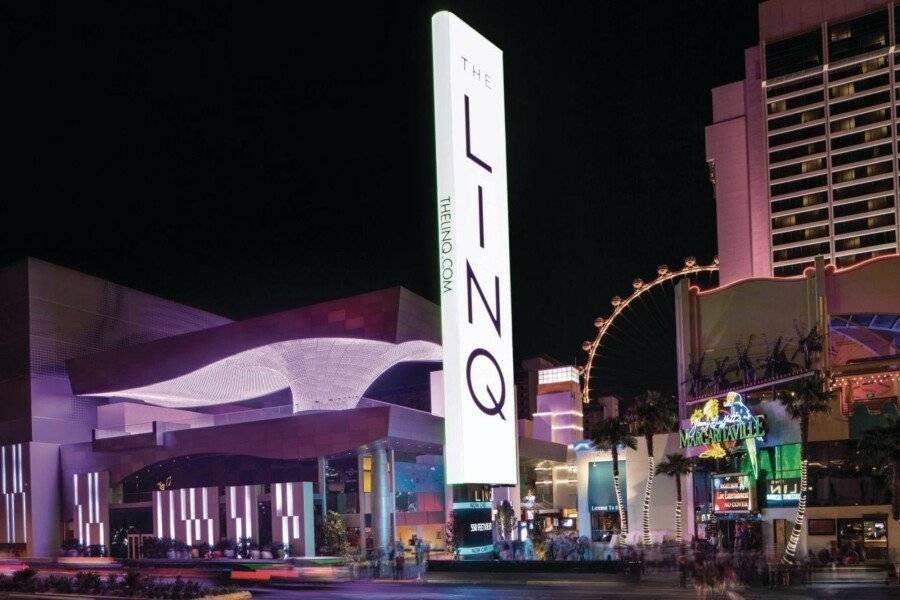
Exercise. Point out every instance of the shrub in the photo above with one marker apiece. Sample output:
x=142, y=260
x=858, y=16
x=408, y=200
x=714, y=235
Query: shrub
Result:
x=24, y=580
x=336, y=542
x=279, y=551
x=132, y=584
x=87, y=582
x=60, y=583
x=203, y=549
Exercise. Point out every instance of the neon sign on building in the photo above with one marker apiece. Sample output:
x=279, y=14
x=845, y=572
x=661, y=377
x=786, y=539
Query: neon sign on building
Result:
x=718, y=427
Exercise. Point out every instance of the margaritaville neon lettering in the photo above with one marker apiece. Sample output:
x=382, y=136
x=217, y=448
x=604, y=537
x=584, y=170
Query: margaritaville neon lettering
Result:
x=737, y=424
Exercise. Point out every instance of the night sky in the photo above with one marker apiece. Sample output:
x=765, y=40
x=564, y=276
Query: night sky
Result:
x=248, y=157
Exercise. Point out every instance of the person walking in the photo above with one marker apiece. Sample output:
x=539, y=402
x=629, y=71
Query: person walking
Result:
x=399, y=562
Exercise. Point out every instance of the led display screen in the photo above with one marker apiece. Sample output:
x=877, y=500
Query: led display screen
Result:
x=732, y=493
x=473, y=521
x=473, y=255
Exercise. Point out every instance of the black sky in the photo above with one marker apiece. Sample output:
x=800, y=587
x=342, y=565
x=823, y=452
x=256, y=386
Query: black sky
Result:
x=246, y=157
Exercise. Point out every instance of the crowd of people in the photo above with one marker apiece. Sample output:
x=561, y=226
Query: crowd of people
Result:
x=380, y=562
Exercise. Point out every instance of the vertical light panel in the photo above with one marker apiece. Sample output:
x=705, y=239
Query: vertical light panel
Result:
x=14, y=523
x=473, y=260
x=240, y=506
x=90, y=507
x=192, y=514
x=292, y=517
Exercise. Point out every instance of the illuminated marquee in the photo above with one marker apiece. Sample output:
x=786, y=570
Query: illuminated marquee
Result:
x=732, y=493
x=473, y=256
x=716, y=429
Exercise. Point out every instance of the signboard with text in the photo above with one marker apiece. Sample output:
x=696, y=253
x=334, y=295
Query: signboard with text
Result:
x=782, y=492
x=732, y=493
x=473, y=521
x=473, y=256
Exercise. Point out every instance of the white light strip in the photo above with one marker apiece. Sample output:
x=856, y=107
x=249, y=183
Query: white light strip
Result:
x=573, y=413
x=159, y=513
x=21, y=487
x=575, y=427
x=171, y=514
x=278, y=499
x=290, y=498
x=247, y=510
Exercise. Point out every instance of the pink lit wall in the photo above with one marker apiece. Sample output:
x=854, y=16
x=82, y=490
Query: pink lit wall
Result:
x=735, y=150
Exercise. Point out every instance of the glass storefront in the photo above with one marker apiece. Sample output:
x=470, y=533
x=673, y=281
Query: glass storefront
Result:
x=604, y=508
x=863, y=539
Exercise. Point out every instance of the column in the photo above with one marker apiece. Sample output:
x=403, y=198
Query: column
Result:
x=381, y=505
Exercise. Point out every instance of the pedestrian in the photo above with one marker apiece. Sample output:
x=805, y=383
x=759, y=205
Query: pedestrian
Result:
x=420, y=552
x=399, y=563
x=377, y=556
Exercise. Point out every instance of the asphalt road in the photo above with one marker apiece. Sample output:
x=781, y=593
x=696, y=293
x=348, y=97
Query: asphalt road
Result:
x=383, y=590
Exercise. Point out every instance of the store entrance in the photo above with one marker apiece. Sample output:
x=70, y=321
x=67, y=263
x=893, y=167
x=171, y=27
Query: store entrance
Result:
x=604, y=525
x=740, y=535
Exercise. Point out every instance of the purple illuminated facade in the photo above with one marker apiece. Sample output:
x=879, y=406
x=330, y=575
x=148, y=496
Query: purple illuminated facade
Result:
x=802, y=153
x=127, y=413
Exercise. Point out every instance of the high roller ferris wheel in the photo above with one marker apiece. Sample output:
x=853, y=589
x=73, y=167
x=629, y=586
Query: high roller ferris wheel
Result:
x=639, y=287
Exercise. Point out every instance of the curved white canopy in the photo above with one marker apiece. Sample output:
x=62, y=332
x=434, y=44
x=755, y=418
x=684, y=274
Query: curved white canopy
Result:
x=322, y=374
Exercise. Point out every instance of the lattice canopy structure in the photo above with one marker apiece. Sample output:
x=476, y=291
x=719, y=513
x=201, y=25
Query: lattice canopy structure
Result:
x=327, y=355
x=321, y=373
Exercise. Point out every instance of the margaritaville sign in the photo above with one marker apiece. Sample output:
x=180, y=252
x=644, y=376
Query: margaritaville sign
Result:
x=715, y=428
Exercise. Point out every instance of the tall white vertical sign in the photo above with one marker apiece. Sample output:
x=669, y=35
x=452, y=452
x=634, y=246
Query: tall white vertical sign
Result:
x=473, y=245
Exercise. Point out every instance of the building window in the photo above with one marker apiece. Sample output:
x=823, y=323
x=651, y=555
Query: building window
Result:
x=367, y=473
x=858, y=36
x=794, y=54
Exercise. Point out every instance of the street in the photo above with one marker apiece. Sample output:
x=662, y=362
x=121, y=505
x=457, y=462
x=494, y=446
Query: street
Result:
x=384, y=590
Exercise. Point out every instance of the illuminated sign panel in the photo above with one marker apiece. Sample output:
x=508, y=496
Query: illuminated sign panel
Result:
x=474, y=522
x=473, y=255
x=732, y=493
x=783, y=492
x=715, y=428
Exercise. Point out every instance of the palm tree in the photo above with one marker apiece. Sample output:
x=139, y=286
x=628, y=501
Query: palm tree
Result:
x=879, y=454
x=652, y=413
x=776, y=363
x=676, y=465
x=610, y=435
x=808, y=396
x=697, y=380
x=809, y=345
x=744, y=362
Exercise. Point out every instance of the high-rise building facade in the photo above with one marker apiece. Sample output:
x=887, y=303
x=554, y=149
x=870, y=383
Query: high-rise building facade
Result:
x=803, y=152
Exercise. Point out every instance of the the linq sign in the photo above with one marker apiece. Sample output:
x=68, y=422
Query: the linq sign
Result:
x=473, y=263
